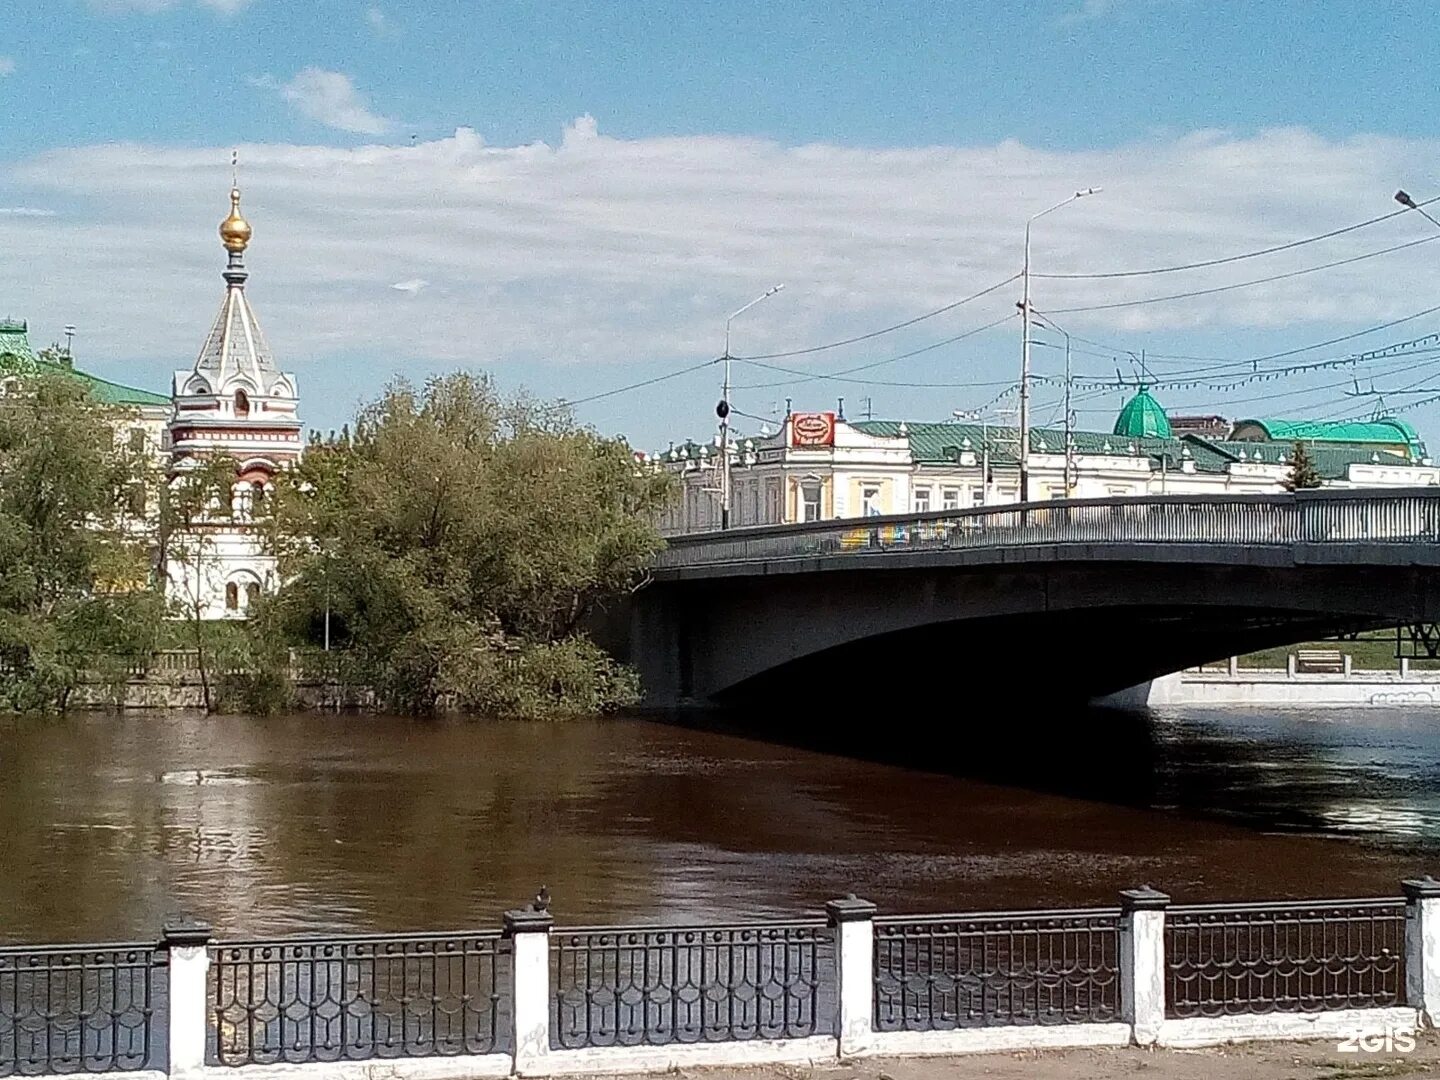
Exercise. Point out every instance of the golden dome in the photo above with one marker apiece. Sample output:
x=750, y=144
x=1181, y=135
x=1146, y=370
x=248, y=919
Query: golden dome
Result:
x=235, y=230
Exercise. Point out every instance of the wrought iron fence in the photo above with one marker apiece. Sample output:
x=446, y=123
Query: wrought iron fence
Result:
x=351, y=998
x=941, y=972
x=81, y=1008
x=1256, y=958
x=650, y=985
x=1408, y=517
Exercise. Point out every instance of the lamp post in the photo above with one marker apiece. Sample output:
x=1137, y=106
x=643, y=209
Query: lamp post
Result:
x=1025, y=345
x=984, y=419
x=1069, y=412
x=722, y=410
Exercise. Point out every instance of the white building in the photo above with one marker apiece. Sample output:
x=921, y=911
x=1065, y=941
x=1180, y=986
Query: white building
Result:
x=234, y=401
x=820, y=466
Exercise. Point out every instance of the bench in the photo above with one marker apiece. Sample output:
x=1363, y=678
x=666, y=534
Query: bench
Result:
x=1320, y=661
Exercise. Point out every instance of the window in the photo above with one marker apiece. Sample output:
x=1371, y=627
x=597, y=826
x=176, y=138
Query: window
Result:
x=232, y=596
x=137, y=439
x=870, y=500
x=252, y=594
x=772, y=502
x=977, y=496
x=257, y=495
x=754, y=502
x=242, y=403
x=810, y=502
x=922, y=500
x=950, y=498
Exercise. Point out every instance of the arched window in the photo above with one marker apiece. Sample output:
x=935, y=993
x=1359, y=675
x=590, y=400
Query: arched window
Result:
x=257, y=494
x=232, y=596
x=252, y=594
x=242, y=403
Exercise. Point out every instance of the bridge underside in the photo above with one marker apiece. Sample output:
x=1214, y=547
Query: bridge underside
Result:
x=897, y=637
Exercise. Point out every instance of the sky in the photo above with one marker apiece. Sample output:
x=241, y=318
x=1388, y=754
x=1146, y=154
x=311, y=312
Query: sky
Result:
x=574, y=196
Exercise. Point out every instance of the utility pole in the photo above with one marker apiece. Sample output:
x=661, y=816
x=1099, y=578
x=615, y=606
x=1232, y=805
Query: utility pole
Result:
x=722, y=410
x=1025, y=345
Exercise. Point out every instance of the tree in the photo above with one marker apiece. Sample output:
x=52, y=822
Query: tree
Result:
x=454, y=545
x=76, y=601
x=1302, y=470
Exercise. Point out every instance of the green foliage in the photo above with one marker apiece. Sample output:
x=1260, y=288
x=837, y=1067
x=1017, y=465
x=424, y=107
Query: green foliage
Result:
x=1302, y=470
x=75, y=600
x=457, y=540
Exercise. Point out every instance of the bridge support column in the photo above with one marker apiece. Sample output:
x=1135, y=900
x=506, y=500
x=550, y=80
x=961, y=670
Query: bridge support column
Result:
x=854, y=923
x=1142, y=962
x=529, y=934
x=1422, y=948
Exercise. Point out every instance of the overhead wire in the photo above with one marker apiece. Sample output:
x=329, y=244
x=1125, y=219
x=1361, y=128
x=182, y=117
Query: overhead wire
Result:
x=886, y=330
x=1246, y=284
x=1098, y=276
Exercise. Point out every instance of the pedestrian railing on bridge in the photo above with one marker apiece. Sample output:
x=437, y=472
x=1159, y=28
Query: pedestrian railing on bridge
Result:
x=1411, y=516
x=533, y=999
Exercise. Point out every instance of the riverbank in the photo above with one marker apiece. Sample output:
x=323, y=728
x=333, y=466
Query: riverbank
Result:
x=1252, y=1061
x=1283, y=689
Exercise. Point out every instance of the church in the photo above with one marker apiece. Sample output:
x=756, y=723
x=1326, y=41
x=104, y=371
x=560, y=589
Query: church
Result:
x=233, y=401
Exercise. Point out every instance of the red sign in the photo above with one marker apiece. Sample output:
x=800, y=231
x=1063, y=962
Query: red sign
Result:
x=812, y=429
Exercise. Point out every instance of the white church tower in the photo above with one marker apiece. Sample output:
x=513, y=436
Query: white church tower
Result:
x=234, y=402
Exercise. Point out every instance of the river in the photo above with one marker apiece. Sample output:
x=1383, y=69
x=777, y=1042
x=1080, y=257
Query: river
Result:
x=323, y=823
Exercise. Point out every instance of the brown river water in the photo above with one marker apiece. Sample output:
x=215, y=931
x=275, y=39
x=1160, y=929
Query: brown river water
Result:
x=321, y=823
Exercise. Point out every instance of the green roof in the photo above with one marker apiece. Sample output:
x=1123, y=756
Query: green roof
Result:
x=942, y=443
x=1389, y=431
x=18, y=358
x=1142, y=418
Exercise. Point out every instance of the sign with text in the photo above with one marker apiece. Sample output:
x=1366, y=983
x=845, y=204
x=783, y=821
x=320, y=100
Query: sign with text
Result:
x=812, y=429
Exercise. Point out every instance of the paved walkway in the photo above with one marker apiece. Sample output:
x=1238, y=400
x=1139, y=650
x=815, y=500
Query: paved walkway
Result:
x=1252, y=1061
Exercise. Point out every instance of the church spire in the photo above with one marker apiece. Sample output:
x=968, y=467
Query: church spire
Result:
x=235, y=231
x=235, y=348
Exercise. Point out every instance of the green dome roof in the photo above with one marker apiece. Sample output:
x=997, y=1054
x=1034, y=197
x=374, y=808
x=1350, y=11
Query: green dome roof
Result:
x=1142, y=418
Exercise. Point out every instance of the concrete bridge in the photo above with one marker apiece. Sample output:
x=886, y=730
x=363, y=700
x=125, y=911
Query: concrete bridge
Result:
x=1065, y=599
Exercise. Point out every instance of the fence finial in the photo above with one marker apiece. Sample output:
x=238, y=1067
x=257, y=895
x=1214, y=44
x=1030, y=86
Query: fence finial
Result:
x=542, y=899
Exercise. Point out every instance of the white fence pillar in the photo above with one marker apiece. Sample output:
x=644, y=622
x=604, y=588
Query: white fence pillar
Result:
x=529, y=934
x=1142, y=962
x=1232, y=666
x=854, y=923
x=1422, y=948
x=187, y=940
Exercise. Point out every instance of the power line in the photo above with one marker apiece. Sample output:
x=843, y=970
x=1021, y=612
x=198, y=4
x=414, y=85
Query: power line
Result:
x=840, y=376
x=565, y=404
x=1221, y=365
x=1233, y=258
x=886, y=330
x=1247, y=284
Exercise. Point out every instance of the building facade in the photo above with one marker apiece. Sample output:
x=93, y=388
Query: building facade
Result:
x=819, y=467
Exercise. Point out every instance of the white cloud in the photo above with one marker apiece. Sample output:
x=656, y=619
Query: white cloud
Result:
x=379, y=22
x=7, y=66
x=152, y=7
x=25, y=211
x=329, y=98
x=601, y=250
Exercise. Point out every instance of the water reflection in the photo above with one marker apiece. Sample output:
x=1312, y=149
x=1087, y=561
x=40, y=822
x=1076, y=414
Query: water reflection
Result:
x=330, y=823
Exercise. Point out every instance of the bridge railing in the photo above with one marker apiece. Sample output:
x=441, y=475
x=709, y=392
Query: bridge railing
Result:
x=1410, y=516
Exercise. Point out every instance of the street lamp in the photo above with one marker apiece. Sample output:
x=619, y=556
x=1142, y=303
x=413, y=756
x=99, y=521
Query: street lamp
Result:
x=722, y=410
x=1069, y=412
x=1404, y=199
x=1025, y=345
x=984, y=420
